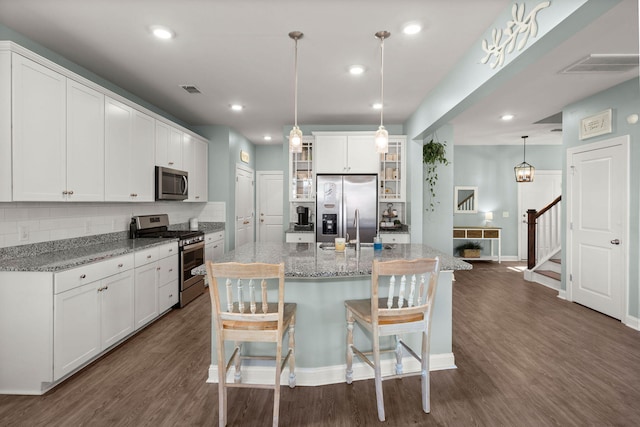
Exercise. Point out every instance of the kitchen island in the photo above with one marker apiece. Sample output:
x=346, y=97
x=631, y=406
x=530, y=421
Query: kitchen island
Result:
x=319, y=281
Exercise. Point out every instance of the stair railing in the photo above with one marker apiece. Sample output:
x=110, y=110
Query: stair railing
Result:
x=543, y=232
x=468, y=203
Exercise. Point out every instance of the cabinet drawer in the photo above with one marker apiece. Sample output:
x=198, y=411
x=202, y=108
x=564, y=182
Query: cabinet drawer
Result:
x=491, y=234
x=146, y=256
x=458, y=234
x=300, y=237
x=88, y=273
x=212, y=237
x=168, y=270
x=474, y=234
x=167, y=296
x=168, y=250
x=395, y=238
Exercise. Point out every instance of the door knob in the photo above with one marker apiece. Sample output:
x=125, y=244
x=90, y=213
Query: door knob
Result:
x=615, y=242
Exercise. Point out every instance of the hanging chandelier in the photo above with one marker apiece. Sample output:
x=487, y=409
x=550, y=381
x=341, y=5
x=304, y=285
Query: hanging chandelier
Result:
x=295, y=136
x=382, y=136
x=524, y=171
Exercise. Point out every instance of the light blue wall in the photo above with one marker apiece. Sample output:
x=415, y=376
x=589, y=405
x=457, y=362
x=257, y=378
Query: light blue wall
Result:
x=624, y=100
x=490, y=168
x=269, y=158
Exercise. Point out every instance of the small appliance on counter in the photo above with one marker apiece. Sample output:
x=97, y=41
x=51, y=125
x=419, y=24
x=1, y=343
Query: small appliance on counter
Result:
x=303, y=220
x=193, y=224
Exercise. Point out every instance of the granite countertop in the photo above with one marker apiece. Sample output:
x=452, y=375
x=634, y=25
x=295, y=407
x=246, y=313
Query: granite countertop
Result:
x=59, y=255
x=307, y=260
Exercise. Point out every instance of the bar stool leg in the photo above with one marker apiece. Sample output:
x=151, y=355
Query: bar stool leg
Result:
x=349, y=374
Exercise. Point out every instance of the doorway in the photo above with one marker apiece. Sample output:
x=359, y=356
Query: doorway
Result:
x=245, y=205
x=270, y=206
x=546, y=186
x=597, y=218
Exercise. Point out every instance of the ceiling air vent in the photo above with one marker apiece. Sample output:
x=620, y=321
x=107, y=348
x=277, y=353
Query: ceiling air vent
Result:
x=190, y=88
x=604, y=63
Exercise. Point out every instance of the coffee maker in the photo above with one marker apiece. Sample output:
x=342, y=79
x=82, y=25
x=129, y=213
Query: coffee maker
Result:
x=303, y=219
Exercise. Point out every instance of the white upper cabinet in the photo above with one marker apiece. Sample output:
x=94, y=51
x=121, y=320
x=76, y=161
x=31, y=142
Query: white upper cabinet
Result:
x=39, y=132
x=345, y=154
x=168, y=146
x=5, y=126
x=129, y=143
x=195, y=161
x=141, y=174
x=85, y=143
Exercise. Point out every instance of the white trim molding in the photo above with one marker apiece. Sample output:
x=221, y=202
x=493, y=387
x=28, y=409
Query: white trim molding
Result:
x=331, y=374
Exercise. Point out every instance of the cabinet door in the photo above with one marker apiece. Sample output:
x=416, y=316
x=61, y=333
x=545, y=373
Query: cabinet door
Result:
x=168, y=146
x=118, y=156
x=116, y=308
x=141, y=176
x=39, y=132
x=330, y=153
x=5, y=126
x=146, y=294
x=76, y=328
x=188, y=164
x=198, y=174
x=361, y=154
x=85, y=143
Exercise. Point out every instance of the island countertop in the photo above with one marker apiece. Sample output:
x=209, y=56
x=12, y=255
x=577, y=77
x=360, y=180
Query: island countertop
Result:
x=307, y=260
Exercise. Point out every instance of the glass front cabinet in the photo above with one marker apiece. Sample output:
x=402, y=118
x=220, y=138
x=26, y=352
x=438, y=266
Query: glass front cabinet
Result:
x=301, y=172
x=392, y=171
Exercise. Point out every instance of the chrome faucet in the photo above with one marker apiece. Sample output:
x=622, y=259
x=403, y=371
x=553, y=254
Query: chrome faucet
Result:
x=356, y=223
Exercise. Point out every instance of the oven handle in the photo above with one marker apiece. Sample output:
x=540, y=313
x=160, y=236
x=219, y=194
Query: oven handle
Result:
x=186, y=185
x=193, y=247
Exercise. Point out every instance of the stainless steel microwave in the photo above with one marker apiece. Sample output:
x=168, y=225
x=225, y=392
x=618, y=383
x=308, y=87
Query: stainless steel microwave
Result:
x=171, y=184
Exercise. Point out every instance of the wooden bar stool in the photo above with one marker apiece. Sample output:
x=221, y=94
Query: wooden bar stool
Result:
x=409, y=312
x=243, y=319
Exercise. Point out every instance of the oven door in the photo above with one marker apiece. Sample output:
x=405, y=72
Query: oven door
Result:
x=192, y=256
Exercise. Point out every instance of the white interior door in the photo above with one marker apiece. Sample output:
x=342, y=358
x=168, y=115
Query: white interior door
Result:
x=546, y=186
x=270, y=206
x=245, y=205
x=598, y=179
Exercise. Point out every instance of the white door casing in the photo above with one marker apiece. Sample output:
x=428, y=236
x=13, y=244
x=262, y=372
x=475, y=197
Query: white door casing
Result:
x=245, y=205
x=597, y=217
x=270, y=206
x=546, y=186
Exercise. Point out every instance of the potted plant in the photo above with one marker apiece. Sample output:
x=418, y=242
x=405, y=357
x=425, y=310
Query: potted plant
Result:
x=433, y=154
x=469, y=249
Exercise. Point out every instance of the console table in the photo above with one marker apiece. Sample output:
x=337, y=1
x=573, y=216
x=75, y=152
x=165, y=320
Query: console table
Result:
x=493, y=234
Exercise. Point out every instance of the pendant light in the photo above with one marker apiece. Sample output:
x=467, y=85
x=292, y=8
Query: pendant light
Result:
x=295, y=136
x=524, y=171
x=382, y=136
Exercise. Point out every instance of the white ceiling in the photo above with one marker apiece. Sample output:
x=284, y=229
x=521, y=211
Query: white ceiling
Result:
x=238, y=51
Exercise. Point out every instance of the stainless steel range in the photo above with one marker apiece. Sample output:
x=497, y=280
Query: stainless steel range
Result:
x=191, y=253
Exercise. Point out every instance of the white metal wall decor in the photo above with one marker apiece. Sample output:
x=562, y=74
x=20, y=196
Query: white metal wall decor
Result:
x=518, y=25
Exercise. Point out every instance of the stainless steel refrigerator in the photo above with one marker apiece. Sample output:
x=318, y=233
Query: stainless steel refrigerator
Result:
x=337, y=198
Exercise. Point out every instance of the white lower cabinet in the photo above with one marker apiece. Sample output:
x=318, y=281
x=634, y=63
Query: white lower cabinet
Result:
x=300, y=237
x=395, y=238
x=91, y=317
x=213, y=245
x=156, y=282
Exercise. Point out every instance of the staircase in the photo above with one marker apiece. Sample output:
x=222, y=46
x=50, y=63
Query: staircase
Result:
x=544, y=252
x=548, y=273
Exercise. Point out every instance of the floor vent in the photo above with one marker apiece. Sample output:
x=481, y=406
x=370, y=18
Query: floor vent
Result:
x=604, y=63
x=190, y=88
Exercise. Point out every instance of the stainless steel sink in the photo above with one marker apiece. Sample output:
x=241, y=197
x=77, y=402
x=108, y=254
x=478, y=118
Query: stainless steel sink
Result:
x=329, y=246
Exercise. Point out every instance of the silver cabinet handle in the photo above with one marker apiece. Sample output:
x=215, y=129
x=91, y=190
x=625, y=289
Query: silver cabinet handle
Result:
x=148, y=256
x=615, y=242
x=71, y=192
x=83, y=276
x=65, y=192
x=120, y=265
x=170, y=163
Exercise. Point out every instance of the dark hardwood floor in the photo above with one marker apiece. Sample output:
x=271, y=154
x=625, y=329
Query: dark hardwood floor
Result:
x=524, y=357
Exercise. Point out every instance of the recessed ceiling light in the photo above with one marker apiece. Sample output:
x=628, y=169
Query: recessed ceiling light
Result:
x=377, y=106
x=236, y=107
x=267, y=137
x=412, y=28
x=356, y=70
x=507, y=117
x=161, y=32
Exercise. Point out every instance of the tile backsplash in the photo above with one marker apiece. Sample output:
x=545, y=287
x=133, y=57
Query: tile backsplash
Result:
x=25, y=223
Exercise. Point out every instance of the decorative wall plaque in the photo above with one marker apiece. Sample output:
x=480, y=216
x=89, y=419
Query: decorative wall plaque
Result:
x=244, y=156
x=598, y=124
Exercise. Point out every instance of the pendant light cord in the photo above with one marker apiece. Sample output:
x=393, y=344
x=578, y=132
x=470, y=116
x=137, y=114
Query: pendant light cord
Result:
x=295, y=101
x=381, y=79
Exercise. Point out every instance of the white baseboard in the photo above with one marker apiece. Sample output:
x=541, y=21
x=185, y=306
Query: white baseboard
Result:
x=633, y=322
x=562, y=294
x=331, y=374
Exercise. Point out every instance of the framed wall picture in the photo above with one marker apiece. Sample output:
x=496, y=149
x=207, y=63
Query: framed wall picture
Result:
x=598, y=124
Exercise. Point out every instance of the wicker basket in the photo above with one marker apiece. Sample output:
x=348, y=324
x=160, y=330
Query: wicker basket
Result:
x=471, y=253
